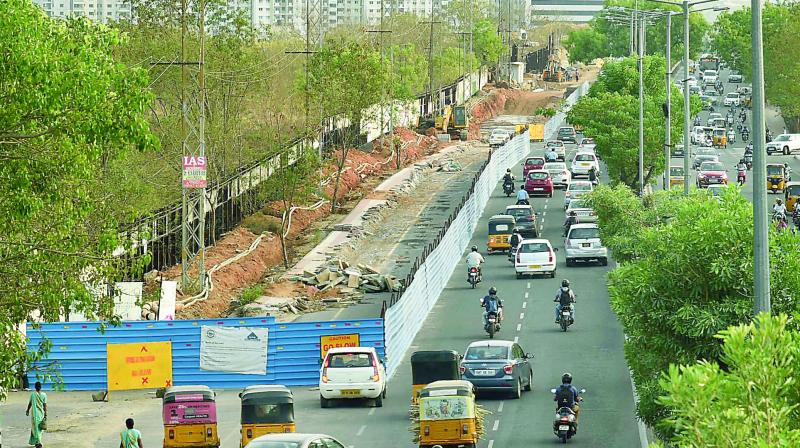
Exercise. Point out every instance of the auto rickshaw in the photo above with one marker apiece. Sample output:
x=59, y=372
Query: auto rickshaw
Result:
x=720, y=138
x=776, y=177
x=500, y=228
x=266, y=410
x=792, y=193
x=430, y=366
x=447, y=414
x=676, y=176
x=190, y=417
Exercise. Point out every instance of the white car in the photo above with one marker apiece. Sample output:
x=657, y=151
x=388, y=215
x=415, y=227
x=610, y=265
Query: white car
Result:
x=732, y=99
x=583, y=162
x=558, y=172
x=498, y=137
x=710, y=77
x=535, y=256
x=582, y=211
x=784, y=143
x=559, y=148
x=699, y=133
x=352, y=373
x=713, y=116
x=576, y=189
x=294, y=440
x=583, y=243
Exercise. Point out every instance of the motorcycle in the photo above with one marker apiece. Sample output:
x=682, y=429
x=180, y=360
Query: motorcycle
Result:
x=745, y=136
x=473, y=276
x=741, y=176
x=508, y=188
x=523, y=202
x=796, y=220
x=748, y=160
x=565, y=425
x=565, y=319
x=492, y=324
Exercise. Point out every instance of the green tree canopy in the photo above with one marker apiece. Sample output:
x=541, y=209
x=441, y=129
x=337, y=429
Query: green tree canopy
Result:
x=66, y=108
x=487, y=43
x=749, y=399
x=686, y=274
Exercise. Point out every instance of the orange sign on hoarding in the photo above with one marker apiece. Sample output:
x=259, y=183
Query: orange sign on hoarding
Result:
x=140, y=365
x=337, y=340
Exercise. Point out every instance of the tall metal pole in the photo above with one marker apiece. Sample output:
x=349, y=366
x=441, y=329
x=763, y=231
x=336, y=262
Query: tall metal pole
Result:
x=668, y=117
x=201, y=266
x=641, y=106
x=686, y=110
x=184, y=151
x=760, y=222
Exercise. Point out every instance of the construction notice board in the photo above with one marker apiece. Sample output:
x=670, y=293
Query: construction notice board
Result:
x=139, y=365
x=337, y=340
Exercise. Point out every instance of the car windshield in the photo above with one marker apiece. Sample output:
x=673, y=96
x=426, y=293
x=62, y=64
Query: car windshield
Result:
x=537, y=175
x=555, y=166
x=555, y=144
x=566, y=131
x=584, y=233
x=733, y=95
x=576, y=204
x=714, y=115
x=774, y=169
x=517, y=212
x=580, y=187
x=486, y=352
x=584, y=158
x=709, y=73
x=587, y=141
x=272, y=444
x=782, y=138
x=530, y=248
x=793, y=190
x=715, y=191
x=346, y=360
x=712, y=166
x=675, y=171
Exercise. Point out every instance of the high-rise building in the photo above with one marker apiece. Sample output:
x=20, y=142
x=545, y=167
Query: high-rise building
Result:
x=98, y=10
x=576, y=11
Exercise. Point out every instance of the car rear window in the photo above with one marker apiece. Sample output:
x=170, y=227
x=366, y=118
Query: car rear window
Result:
x=537, y=176
x=350, y=359
x=580, y=187
x=554, y=166
x=576, y=203
x=273, y=444
x=587, y=141
x=531, y=248
x=584, y=233
x=486, y=352
x=535, y=161
x=584, y=158
x=712, y=166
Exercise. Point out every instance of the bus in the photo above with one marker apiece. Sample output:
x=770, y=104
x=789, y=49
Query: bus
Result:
x=708, y=62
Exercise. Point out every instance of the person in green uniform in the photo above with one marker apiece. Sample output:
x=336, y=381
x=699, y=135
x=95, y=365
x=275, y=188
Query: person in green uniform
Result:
x=38, y=404
x=130, y=438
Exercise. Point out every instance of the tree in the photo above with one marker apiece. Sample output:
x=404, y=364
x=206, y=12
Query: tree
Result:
x=584, y=45
x=750, y=400
x=487, y=44
x=67, y=107
x=686, y=274
x=410, y=74
x=610, y=113
x=344, y=79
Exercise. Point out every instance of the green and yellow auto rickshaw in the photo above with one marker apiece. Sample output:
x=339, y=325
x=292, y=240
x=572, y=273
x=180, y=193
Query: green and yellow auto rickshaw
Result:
x=266, y=409
x=776, y=177
x=433, y=365
x=676, y=176
x=447, y=416
x=792, y=193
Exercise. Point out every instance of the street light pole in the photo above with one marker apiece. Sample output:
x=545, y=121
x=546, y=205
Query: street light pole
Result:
x=760, y=222
x=686, y=109
x=668, y=108
x=641, y=106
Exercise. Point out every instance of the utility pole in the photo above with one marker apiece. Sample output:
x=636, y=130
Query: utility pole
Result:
x=668, y=108
x=384, y=93
x=431, y=95
x=686, y=107
x=201, y=267
x=641, y=106
x=760, y=222
x=312, y=23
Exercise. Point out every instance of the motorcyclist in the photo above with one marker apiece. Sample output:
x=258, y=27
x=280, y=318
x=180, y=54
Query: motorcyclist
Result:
x=566, y=396
x=731, y=136
x=492, y=303
x=779, y=210
x=565, y=297
x=522, y=196
x=551, y=154
x=745, y=133
x=741, y=169
x=697, y=120
x=572, y=219
x=474, y=260
x=593, y=176
x=515, y=238
x=508, y=178
x=769, y=136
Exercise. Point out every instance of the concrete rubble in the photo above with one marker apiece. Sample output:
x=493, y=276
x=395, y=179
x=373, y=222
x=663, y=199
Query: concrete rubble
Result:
x=349, y=279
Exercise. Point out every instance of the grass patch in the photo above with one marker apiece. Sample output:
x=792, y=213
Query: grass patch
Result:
x=250, y=294
x=260, y=223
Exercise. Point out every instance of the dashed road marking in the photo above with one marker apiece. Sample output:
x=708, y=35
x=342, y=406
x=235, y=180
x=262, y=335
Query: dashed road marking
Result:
x=361, y=430
x=526, y=296
x=521, y=316
x=529, y=285
x=519, y=327
x=516, y=339
x=500, y=408
x=371, y=411
x=496, y=425
x=491, y=444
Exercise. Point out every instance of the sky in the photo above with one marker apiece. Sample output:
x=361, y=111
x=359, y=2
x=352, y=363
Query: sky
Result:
x=732, y=4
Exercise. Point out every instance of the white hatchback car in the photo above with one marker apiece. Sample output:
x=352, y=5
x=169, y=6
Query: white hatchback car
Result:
x=535, y=256
x=576, y=189
x=558, y=171
x=352, y=373
x=583, y=162
x=583, y=243
x=582, y=211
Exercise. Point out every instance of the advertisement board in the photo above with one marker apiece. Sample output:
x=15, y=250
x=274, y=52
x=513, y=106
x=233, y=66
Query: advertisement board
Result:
x=139, y=365
x=194, y=171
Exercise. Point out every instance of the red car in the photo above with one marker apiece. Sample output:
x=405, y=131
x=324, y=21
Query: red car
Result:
x=532, y=163
x=539, y=183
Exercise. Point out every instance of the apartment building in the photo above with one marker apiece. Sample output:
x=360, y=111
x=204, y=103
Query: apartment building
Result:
x=98, y=10
x=575, y=11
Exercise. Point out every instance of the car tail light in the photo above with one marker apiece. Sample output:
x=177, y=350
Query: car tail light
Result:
x=375, y=375
x=564, y=419
x=550, y=256
x=171, y=434
x=473, y=270
x=287, y=429
x=249, y=433
x=325, y=370
x=508, y=369
x=465, y=428
x=209, y=432
x=519, y=257
x=462, y=369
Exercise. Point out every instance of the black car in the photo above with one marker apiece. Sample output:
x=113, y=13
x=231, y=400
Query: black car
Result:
x=567, y=134
x=498, y=366
x=527, y=226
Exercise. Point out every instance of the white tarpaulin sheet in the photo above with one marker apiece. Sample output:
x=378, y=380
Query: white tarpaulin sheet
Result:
x=234, y=349
x=166, y=307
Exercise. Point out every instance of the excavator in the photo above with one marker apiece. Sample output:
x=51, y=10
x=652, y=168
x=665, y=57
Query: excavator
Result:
x=552, y=71
x=454, y=121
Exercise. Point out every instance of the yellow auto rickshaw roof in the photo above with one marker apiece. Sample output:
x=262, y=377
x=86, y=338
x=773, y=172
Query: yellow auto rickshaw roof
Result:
x=267, y=394
x=501, y=218
x=174, y=391
x=456, y=387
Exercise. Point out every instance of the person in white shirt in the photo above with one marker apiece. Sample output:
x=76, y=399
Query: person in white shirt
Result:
x=474, y=260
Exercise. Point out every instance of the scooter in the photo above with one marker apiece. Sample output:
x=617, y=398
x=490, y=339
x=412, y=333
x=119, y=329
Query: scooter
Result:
x=565, y=319
x=508, y=188
x=745, y=136
x=473, y=276
x=565, y=425
x=492, y=324
x=741, y=176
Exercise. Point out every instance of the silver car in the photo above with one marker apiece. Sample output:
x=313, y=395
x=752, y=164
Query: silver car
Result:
x=558, y=171
x=294, y=440
x=583, y=244
x=582, y=211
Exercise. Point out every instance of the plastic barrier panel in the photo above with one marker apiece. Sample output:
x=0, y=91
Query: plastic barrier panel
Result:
x=79, y=350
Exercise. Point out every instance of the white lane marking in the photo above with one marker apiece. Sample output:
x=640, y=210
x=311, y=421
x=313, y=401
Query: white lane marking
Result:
x=371, y=411
x=336, y=316
x=529, y=285
x=495, y=425
x=491, y=444
x=526, y=296
x=544, y=213
x=361, y=430
x=521, y=316
x=500, y=408
x=519, y=327
x=516, y=339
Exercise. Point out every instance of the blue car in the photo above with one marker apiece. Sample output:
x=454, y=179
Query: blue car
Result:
x=497, y=366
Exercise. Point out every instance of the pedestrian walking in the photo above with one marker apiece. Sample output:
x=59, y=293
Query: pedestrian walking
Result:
x=130, y=438
x=37, y=404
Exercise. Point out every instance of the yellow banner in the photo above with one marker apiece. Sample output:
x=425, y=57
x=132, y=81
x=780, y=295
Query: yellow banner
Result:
x=140, y=365
x=337, y=340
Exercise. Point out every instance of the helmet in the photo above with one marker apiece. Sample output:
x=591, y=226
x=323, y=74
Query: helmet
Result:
x=516, y=230
x=741, y=160
x=566, y=378
x=492, y=291
x=474, y=248
x=572, y=213
x=778, y=201
x=565, y=283
x=508, y=170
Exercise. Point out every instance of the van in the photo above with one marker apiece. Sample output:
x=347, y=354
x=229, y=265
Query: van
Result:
x=784, y=144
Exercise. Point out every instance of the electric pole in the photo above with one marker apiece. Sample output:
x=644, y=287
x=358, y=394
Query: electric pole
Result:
x=431, y=95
